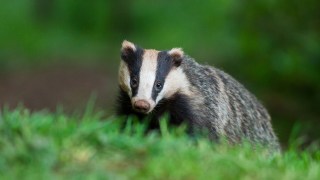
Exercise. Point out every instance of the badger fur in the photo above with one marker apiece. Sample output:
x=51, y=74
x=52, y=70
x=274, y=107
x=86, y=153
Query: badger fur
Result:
x=207, y=99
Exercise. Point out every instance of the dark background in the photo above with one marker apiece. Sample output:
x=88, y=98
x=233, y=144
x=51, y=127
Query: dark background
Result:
x=62, y=52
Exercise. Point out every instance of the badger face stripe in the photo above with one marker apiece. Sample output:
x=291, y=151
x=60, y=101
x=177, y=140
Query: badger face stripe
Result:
x=134, y=63
x=163, y=68
x=143, y=74
x=147, y=75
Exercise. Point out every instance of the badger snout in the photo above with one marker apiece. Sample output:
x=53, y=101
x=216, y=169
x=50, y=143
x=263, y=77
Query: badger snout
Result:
x=141, y=106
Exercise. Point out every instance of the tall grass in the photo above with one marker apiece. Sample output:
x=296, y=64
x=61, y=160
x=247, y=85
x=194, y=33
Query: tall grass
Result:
x=43, y=145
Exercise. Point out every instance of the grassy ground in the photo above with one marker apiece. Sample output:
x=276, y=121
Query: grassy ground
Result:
x=43, y=145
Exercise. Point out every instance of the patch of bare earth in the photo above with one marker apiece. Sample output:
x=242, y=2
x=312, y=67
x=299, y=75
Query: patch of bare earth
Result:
x=45, y=88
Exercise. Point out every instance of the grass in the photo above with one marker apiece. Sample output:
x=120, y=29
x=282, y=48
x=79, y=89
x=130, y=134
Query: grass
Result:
x=43, y=145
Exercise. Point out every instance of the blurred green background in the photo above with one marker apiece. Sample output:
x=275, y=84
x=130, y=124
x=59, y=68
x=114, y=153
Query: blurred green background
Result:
x=60, y=52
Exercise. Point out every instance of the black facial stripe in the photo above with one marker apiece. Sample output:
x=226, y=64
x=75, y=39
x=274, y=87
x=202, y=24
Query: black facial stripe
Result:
x=134, y=62
x=164, y=64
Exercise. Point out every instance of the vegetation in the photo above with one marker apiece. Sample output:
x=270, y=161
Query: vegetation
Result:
x=272, y=47
x=43, y=145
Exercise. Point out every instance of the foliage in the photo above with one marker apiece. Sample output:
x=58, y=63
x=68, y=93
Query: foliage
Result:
x=272, y=47
x=42, y=145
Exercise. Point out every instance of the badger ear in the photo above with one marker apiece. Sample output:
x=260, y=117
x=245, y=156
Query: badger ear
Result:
x=127, y=49
x=177, y=56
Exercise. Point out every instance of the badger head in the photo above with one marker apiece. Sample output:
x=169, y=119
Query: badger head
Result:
x=148, y=75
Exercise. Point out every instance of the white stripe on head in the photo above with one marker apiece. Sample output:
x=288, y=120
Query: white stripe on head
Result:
x=147, y=76
x=176, y=81
x=124, y=78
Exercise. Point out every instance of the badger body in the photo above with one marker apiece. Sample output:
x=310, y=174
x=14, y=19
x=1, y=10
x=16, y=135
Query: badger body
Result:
x=203, y=97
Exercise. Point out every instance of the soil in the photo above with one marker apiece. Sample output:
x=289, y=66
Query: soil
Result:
x=45, y=88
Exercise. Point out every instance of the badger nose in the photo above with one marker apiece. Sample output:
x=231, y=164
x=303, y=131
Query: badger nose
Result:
x=142, y=106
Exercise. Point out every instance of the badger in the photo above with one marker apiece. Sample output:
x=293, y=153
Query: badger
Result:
x=153, y=83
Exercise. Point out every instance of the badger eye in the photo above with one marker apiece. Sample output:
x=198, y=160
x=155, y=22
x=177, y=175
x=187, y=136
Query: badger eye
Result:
x=134, y=82
x=158, y=86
